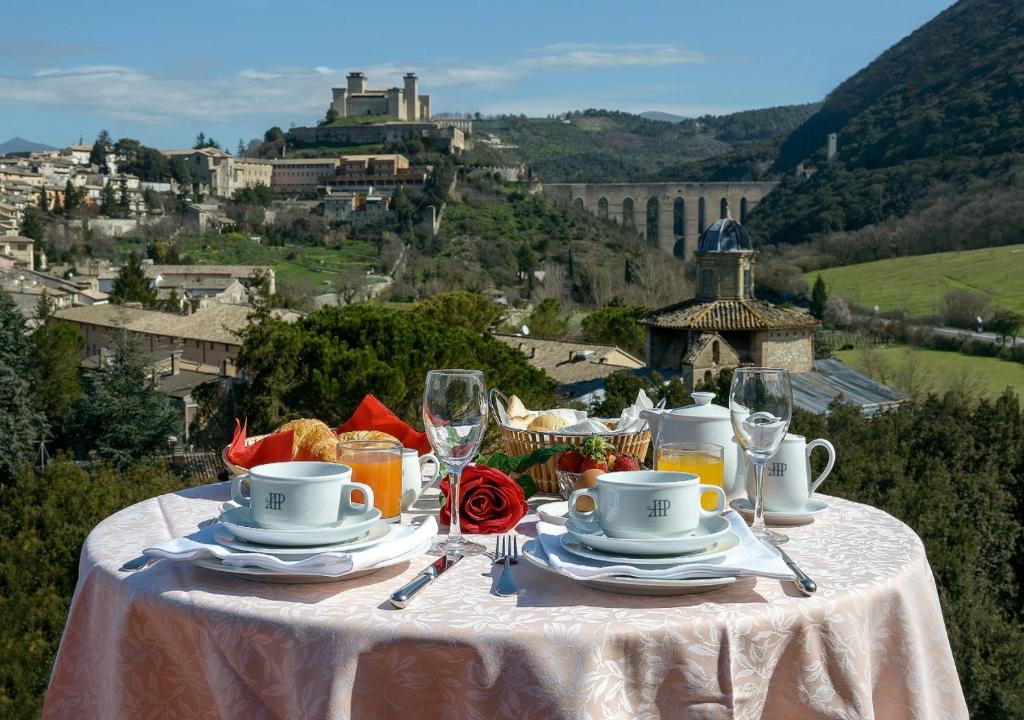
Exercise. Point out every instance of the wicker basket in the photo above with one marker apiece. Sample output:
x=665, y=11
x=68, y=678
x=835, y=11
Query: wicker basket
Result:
x=524, y=442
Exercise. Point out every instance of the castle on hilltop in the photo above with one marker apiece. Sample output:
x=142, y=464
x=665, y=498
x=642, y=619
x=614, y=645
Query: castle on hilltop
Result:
x=402, y=103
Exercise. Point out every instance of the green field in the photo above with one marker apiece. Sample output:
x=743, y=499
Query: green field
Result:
x=939, y=370
x=917, y=284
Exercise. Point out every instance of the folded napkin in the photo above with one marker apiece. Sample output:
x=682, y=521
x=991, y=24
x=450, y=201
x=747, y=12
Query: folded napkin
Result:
x=272, y=448
x=750, y=557
x=406, y=539
x=629, y=420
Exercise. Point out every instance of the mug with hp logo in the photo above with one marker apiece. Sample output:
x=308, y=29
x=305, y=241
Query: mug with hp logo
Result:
x=302, y=495
x=646, y=504
x=788, y=482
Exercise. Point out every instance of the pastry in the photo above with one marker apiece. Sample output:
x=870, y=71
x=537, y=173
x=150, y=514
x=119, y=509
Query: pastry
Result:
x=313, y=440
x=365, y=435
x=547, y=423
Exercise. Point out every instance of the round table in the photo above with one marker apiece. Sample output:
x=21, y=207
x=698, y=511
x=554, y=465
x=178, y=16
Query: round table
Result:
x=178, y=641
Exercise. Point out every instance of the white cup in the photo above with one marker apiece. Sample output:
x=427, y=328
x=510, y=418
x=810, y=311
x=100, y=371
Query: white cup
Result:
x=646, y=504
x=286, y=495
x=788, y=484
x=413, y=477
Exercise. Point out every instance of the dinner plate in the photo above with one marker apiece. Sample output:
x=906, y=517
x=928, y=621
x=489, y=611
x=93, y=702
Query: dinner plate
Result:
x=813, y=508
x=273, y=576
x=711, y=530
x=534, y=554
x=378, y=533
x=571, y=543
x=239, y=521
x=556, y=513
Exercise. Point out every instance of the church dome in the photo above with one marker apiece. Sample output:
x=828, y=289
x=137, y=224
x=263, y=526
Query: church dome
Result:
x=725, y=235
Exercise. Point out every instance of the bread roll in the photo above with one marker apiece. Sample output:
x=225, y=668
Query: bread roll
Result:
x=313, y=440
x=515, y=408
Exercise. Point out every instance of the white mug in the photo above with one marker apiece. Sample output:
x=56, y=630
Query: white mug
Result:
x=413, y=477
x=646, y=504
x=788, y=484
x=286, y=495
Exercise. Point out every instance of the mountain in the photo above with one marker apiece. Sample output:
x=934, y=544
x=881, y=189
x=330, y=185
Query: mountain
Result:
x=610, y=146
x=662, y=116
x=939, y=113
x=19, y=145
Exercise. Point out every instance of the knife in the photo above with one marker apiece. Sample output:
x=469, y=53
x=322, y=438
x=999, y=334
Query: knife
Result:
x=803, y=581
x=404, y=594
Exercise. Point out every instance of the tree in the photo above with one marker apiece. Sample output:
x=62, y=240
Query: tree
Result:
x=621, y=389
x=403, y=208
x=122, y=416
x=44, y=202
x=124, y=201
x=100, y=150
x=546, y=320
x=527, y=262
x=240, y=150
x=273, y=135
x=72, y=198
x=132, y=285
x=21, y=423
x=200, y=142
x=45, y=307
x=108, y=200
x=819, y=298
x=330, y=116
x=962, y=308
x=32, y=224
x=461, y=309
x=1006, y=324
x=617, y=325
x=57, y=349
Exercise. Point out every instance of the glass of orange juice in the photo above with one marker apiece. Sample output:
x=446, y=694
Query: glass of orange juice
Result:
x=702, y=459
x=378, y=463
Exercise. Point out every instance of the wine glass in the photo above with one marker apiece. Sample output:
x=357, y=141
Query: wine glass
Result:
x=455, y=418
x=761, y=407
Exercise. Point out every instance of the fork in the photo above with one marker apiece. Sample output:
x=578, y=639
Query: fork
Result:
x=506, y=550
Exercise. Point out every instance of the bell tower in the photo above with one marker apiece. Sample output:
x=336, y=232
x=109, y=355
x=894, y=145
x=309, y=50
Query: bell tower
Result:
x=725, y=260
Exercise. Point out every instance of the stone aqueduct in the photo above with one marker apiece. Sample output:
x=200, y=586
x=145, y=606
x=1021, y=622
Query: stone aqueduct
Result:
x=671, y=216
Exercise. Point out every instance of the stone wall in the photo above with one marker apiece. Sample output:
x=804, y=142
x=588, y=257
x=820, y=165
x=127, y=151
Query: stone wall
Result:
x=678, y=212
x=448, y=138
x=792, y=350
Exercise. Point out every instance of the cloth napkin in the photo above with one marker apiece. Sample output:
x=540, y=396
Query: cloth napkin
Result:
x=629, y=420
x=750, y=557
x=273, y=448
x=406, y=539
x=372, y=414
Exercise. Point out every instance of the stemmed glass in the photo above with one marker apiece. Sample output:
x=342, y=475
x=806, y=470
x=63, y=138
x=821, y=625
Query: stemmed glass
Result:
x=761, y=407
x=455, y=418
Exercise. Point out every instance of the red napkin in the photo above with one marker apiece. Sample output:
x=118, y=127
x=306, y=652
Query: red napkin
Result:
x=372, y=414
x=273, y=448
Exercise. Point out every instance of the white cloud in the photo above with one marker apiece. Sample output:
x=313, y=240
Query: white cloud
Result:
x=129, y=94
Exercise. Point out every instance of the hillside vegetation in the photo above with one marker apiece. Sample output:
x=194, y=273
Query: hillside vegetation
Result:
x=608, y=146
x=944, y=106
x=918, y=284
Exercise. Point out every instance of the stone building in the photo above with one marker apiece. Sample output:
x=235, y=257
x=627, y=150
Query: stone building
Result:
x=725, y=326
x=222, y=172
x=404, y=103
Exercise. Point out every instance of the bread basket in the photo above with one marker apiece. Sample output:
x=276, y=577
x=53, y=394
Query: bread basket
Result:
x=524, y=442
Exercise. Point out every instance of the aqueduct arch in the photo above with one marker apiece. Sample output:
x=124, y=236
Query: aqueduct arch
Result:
x=678, y=212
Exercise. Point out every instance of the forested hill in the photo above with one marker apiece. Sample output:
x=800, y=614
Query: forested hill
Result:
x=609, y=146
x=939, y=113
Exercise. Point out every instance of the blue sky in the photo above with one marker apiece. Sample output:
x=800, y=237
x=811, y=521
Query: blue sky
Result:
x=162, y=72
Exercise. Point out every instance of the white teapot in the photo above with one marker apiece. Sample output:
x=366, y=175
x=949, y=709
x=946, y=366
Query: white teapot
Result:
x=701, y=422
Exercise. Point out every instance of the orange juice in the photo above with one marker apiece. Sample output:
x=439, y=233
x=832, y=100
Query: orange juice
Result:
x=709, y=468
x=377, y=463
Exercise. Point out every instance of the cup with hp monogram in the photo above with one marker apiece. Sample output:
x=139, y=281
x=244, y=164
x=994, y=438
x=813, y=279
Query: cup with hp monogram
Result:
x=646, y=504
x=288, y=495
x=788, y=481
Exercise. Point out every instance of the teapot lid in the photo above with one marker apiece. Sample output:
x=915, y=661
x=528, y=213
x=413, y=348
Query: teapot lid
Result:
x=703, y=407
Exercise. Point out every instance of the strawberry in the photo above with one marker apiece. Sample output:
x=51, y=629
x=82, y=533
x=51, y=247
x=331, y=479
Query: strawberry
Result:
x=570, y=461
x=625, y=463
x=597, y=454
x=594, y=464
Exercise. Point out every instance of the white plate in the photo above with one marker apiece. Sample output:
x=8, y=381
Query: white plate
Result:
x=710, y=530
x=264, y=575
x=813, y=507
x=378, y=533
x=239, y=521
x=627, y=585
x=571, y=543
x=555, y=513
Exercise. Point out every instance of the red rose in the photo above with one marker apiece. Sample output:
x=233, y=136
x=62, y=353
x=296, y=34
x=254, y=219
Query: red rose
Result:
x=492, y=502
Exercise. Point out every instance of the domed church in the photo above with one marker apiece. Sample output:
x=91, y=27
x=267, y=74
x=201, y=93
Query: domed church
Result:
x=725, y=326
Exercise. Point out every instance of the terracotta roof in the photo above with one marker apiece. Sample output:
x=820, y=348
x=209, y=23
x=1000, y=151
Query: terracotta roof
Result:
x=728, y=315
x=572, y=362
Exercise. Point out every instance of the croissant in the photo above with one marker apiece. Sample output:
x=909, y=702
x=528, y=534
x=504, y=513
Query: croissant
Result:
x=313, y=440
x=365, y=435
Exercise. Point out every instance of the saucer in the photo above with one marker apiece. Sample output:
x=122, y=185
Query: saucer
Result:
x=556, y=513
x=572, y=543
x=710, y=530
x=378, y=533
x=534, y=554
x=802, y=517
x=239, y=521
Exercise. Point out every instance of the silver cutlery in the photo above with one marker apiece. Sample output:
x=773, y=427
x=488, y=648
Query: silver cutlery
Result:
x=139, y=563
x=506, y=550
x=803, y=581
x=401, y=597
